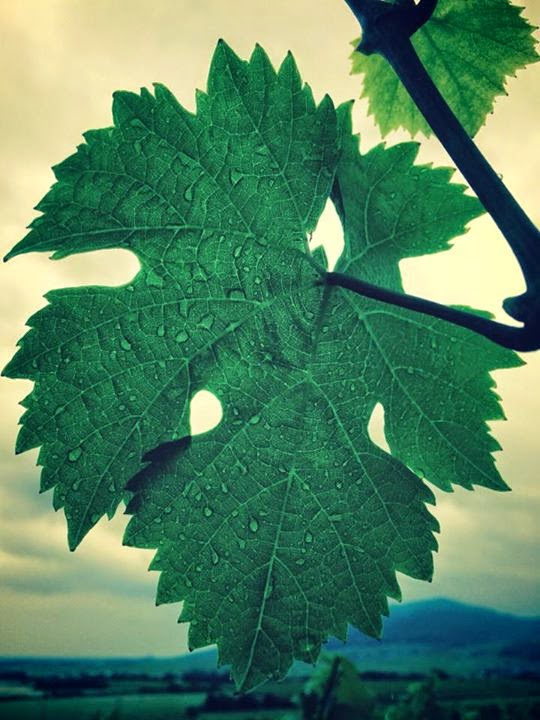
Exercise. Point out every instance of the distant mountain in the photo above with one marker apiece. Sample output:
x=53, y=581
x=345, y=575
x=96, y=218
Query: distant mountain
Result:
x=418, y=636
x=449, y=623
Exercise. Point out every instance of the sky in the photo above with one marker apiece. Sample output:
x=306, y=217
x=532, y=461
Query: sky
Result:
x=61, y=60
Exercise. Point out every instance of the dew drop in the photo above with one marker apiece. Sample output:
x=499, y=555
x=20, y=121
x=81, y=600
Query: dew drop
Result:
x=208, y=512
x=125, y=344
x=242, y=544
x=75, y=454
x=255, y=419
x=161, y=331
x=224, y=488
x=236, y=294
x=268, y=590
x=254, y=525
x=206, y=322
x=235, y=176
x=263, y=151
x=188, y=193
x=238, y=251
x=308, y=537
x=215, y=557
x=181, y=337
x=153, y=279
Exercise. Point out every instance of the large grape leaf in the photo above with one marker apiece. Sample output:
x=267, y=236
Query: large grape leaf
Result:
x=285, y=522
x=468, y=48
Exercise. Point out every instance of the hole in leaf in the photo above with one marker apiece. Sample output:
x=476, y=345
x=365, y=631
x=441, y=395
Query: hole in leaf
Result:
x=329, y=234
x=109, y=268
x=376, y=428
x=205, y=412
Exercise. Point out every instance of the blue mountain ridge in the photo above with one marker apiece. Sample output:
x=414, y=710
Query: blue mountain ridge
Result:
x=417, y=636
x=448, y=623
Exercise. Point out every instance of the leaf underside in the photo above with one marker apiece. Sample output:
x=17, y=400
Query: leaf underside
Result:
x=285, y=523
x=468, y=48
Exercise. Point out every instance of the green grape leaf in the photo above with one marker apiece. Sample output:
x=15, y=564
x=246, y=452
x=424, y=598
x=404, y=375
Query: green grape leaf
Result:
x=468, y=48
x=336, y=686
x=285, y=522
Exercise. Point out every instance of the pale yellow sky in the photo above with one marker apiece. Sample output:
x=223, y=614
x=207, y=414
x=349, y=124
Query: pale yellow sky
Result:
x=61, y=60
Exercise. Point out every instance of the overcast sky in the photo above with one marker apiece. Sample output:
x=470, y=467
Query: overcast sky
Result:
x=61, y=60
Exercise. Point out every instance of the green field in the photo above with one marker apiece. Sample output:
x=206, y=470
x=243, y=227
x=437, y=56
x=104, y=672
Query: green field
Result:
x=120, y=707
x=510, y=699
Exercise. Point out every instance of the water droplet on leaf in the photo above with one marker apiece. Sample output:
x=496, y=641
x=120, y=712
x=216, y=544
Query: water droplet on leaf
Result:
x=235, y=176
x=75, y=454
x=153, y=279
x=236, y=294
x=206, y=322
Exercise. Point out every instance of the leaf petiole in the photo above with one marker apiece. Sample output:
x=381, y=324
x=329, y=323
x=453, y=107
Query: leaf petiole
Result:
x=515, y=338
x=386, y=29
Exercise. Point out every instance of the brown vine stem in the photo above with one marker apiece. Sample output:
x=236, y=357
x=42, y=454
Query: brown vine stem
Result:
x=386, y=29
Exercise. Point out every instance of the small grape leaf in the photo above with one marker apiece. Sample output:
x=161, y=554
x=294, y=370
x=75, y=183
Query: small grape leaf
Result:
x=285, y=522
x=336, y=686
x=468, y=48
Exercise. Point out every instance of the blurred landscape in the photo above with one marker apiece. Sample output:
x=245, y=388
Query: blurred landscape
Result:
x=466, y=663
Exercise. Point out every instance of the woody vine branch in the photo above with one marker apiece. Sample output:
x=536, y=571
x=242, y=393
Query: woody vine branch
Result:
x=387, y=29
